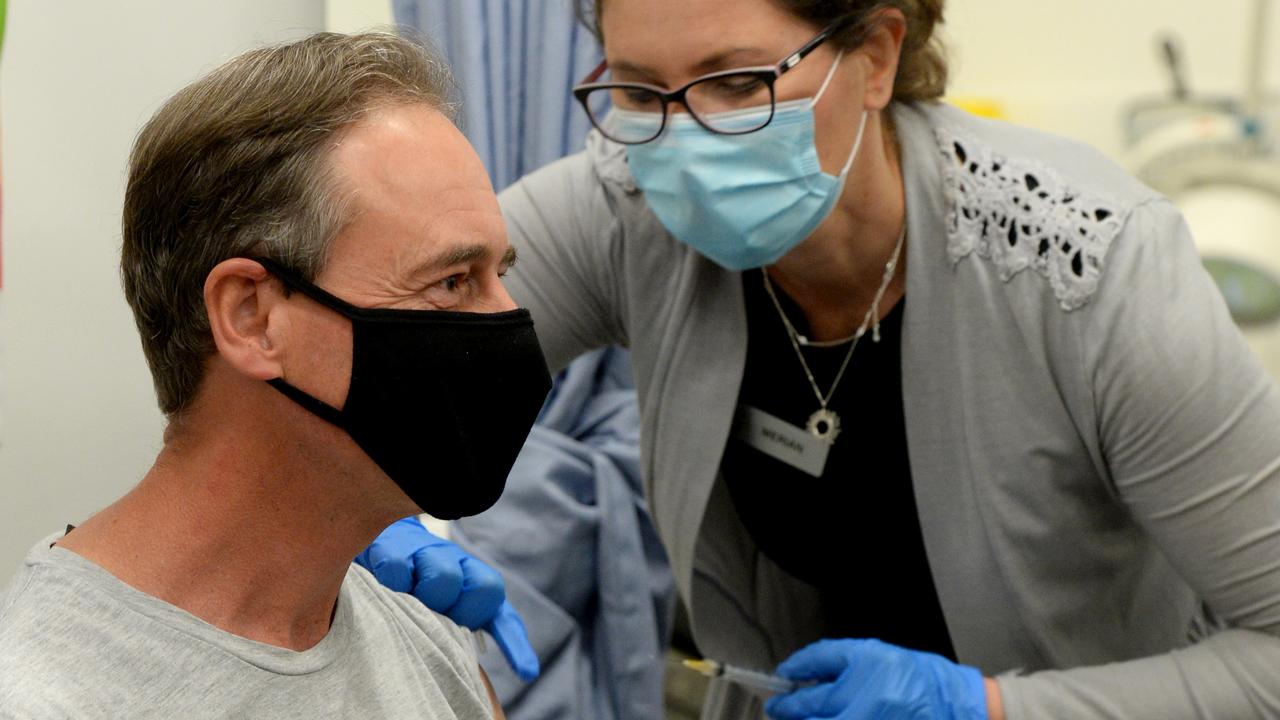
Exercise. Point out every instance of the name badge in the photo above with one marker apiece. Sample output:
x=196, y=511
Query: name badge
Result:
x=781, y=440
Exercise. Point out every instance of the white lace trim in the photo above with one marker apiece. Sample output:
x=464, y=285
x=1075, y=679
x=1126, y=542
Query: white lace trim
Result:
x=1020, y=214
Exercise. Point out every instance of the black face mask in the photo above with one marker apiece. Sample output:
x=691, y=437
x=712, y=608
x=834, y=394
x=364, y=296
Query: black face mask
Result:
x=441, y=401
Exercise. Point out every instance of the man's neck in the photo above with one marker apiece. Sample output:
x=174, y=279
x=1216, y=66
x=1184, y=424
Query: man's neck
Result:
x=244, y=534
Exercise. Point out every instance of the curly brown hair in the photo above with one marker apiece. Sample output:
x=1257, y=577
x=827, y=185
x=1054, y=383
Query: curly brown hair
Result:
x=922, y=69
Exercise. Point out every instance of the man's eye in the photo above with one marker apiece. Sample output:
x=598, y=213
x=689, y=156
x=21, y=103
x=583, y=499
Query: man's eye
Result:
x=451, y=283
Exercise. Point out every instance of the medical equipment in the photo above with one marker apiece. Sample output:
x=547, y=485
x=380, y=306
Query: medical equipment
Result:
x=1217, y=159
x=747, y=678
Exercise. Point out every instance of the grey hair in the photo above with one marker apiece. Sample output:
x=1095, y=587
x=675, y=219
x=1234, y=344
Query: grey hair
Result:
x=238, y=164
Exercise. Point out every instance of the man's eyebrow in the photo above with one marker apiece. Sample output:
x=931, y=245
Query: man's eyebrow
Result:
x=459, y=256
x=509, y=257
x=463, y=255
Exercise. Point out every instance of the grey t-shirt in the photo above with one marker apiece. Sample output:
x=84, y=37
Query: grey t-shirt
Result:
x=77, y=642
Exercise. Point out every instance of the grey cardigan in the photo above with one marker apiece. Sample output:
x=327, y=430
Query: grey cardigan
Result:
x=1094, y=451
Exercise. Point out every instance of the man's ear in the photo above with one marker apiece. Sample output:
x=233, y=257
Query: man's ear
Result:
x=239, y=295
x=883, y=50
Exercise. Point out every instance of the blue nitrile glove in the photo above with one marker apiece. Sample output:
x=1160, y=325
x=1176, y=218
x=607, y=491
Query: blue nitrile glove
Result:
x=864, y=679
x=406, y=557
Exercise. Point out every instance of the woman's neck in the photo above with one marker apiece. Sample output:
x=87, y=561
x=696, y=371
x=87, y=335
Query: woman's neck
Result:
x=836, y=272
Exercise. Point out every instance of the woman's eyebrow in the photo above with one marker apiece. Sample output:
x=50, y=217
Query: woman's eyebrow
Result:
x=723, y=60
x=734, y=57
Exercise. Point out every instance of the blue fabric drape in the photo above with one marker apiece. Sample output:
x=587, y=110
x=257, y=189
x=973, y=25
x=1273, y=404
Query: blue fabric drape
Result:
x=571, y=534
x=515, y=62
x=582, y=560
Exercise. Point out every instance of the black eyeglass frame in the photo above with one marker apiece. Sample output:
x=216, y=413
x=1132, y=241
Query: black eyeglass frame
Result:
x=768, y=74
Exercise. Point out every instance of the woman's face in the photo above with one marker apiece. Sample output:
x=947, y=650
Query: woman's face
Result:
x=670, y=42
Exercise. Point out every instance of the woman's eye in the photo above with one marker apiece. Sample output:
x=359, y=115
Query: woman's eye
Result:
x=633, y=99
x=738, y=86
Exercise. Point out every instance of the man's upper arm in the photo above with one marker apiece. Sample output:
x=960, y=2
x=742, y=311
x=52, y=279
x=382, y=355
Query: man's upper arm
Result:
x=493, y=696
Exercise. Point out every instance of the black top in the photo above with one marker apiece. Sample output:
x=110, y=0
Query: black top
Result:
x=853, y=533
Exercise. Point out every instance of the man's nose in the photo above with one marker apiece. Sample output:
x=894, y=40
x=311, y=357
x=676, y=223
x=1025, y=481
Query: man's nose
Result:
x=500, y=300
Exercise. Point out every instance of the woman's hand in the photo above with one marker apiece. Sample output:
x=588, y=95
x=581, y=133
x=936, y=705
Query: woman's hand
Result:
x=409, y=559
x=864, y=679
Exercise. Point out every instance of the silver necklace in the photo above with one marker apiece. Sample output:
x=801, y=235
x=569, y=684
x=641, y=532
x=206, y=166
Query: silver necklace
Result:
x=824, y=423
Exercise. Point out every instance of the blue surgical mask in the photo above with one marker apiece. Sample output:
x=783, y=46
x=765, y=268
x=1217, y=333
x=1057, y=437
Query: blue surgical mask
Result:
x=743, y=201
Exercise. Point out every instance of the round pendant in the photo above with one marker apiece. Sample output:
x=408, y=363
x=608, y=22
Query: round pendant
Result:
x=824, y=425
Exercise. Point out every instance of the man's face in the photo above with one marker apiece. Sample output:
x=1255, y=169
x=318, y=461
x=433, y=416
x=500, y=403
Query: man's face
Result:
x=425, y=234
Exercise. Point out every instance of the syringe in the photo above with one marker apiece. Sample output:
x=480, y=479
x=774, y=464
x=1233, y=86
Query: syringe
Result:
x=749, y=678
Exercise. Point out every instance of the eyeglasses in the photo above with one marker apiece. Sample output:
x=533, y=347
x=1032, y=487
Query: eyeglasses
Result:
x=711, y=99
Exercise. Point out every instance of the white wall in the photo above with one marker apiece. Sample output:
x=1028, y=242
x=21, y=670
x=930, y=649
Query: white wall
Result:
x=78, y=78
x=1072, y=67
x=356, y=15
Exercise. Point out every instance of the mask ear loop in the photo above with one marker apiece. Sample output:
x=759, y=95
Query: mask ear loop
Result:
x=315, y=406
x=827, y=81
x=862, y=124
x=857, y=145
